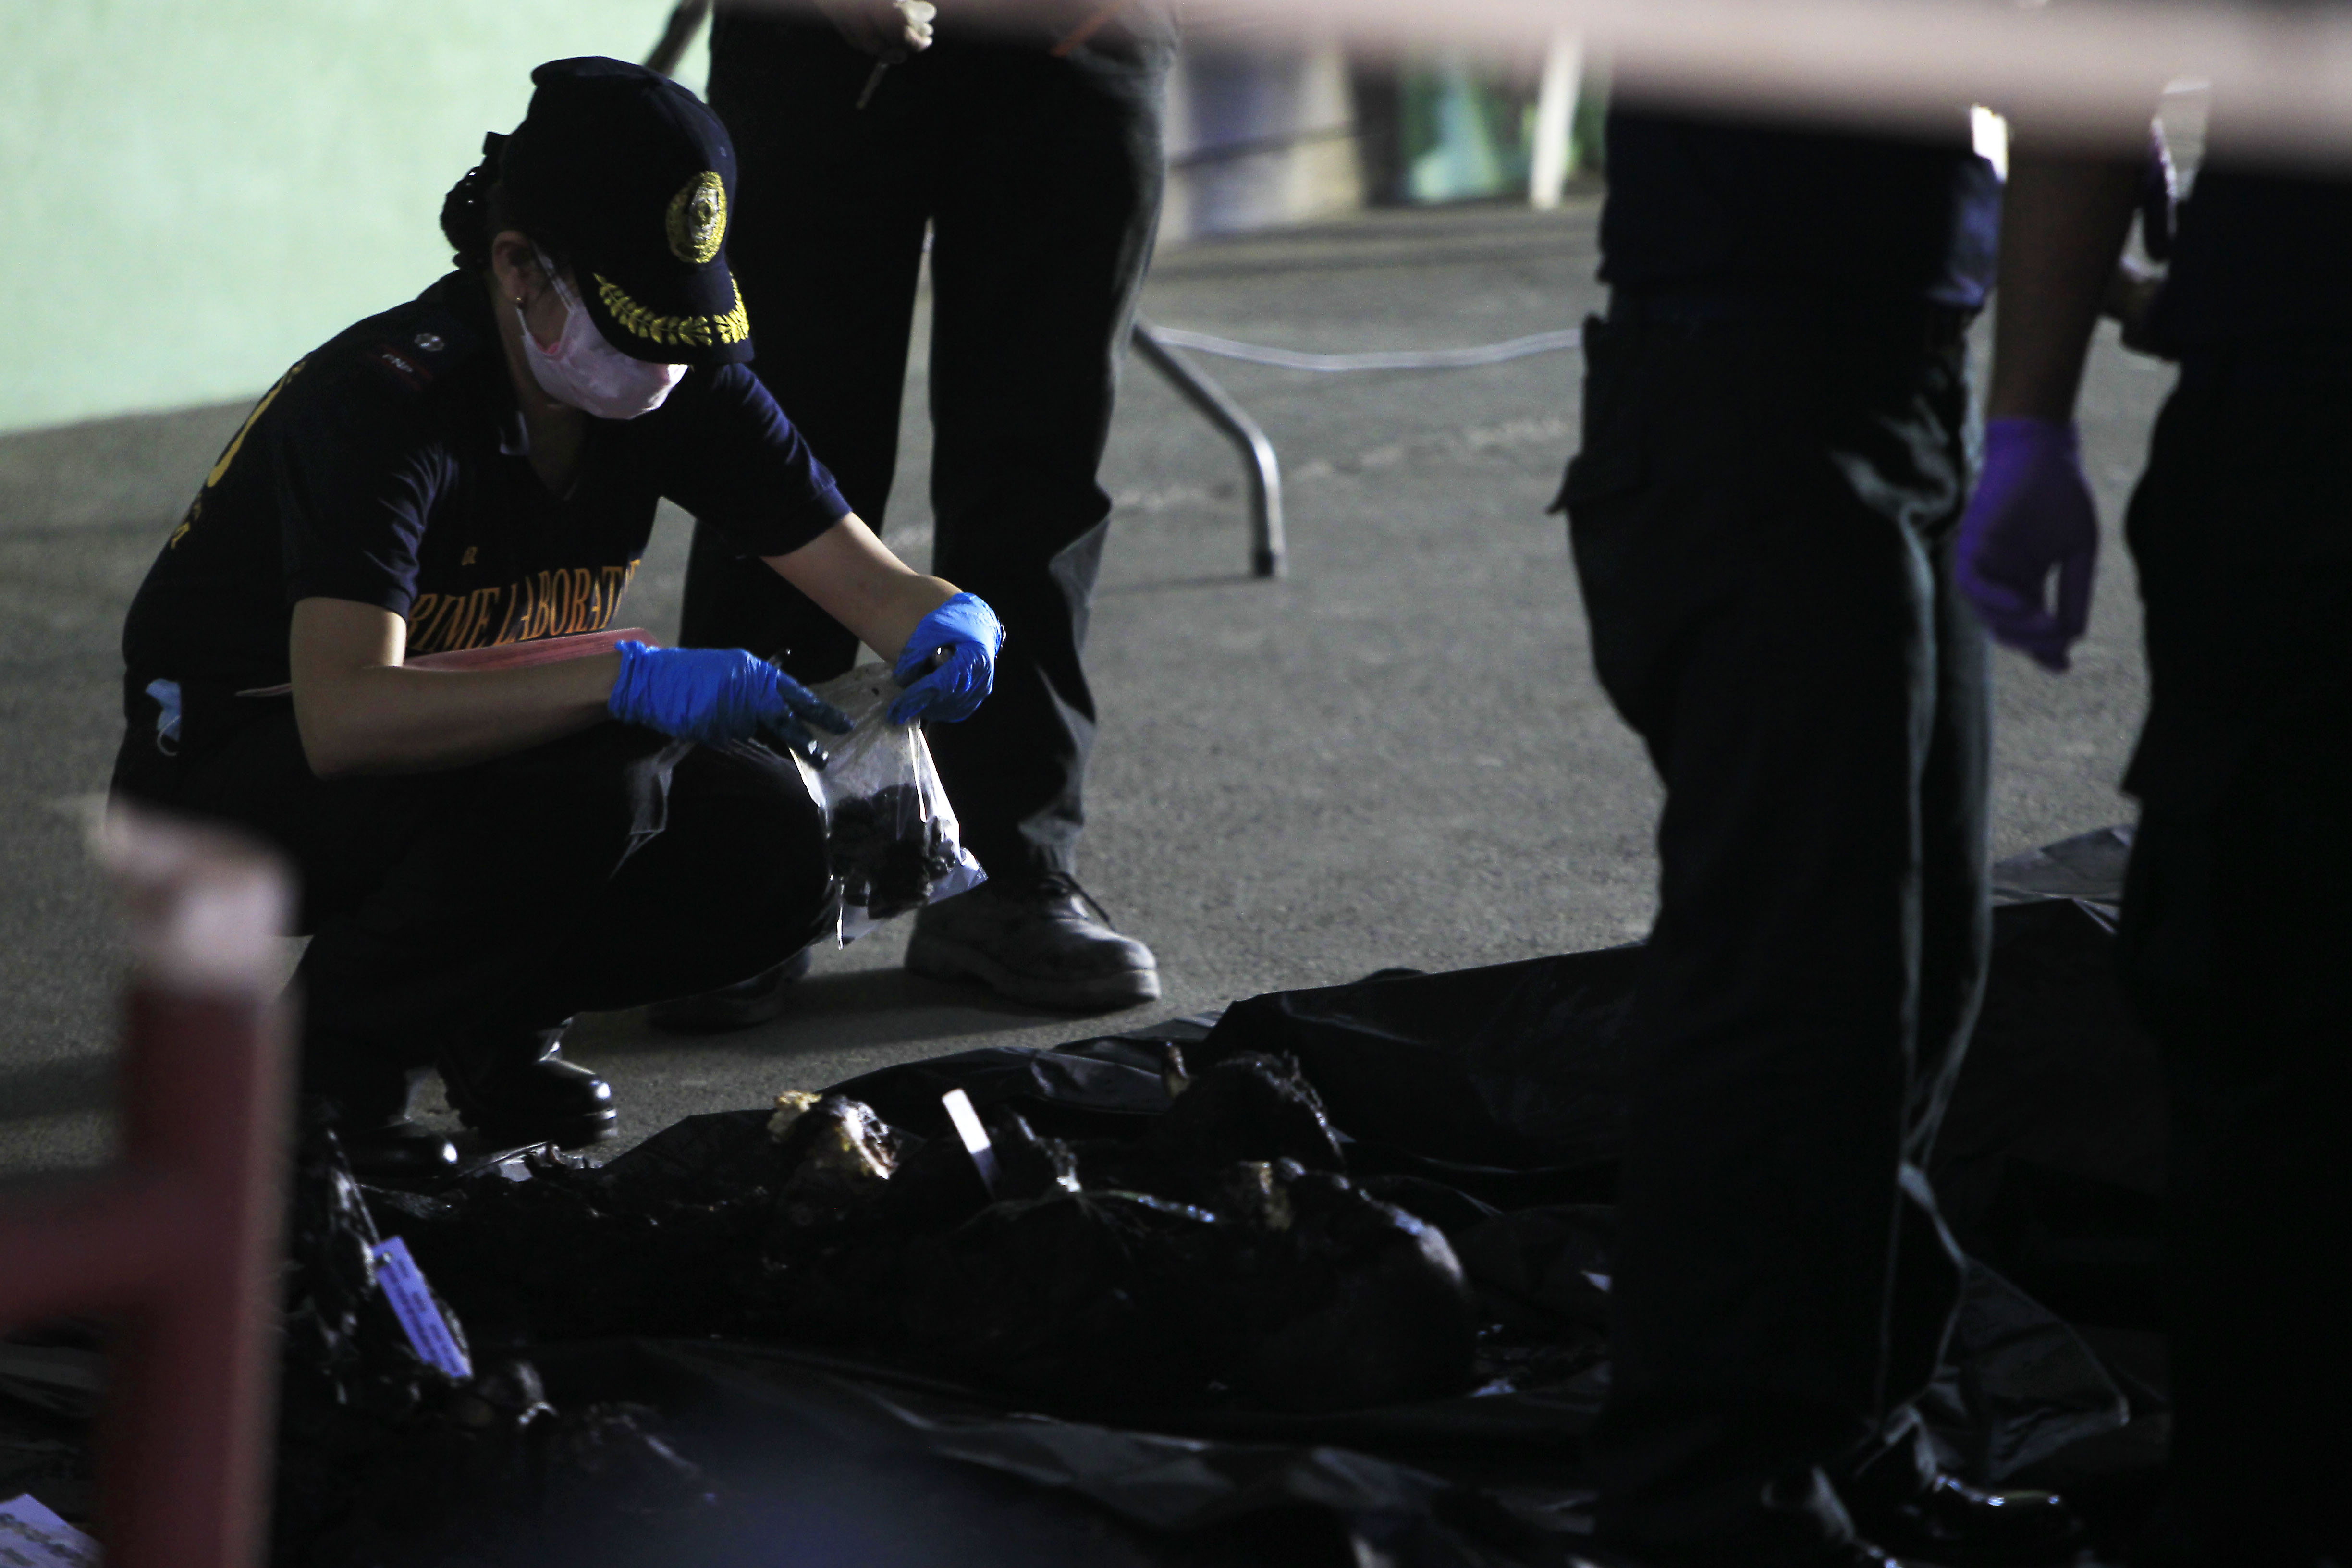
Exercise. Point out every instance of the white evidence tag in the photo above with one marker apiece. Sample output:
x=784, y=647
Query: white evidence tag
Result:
x=975, y=1137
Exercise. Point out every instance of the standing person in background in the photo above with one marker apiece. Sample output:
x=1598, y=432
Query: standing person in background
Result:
x=2236, y=943
x=1761, y=512
x=1030, y=154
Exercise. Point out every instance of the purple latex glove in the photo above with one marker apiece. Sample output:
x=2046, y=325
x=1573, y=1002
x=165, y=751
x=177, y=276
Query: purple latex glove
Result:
x=2031, y=515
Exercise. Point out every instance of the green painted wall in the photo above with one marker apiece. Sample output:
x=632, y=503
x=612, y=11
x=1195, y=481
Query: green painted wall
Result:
x=194, y=192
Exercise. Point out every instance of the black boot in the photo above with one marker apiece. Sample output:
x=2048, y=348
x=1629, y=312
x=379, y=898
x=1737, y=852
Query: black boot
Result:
x=520, y=1090
x=398, y=1151
x=351, y=1093
x=1038, y=942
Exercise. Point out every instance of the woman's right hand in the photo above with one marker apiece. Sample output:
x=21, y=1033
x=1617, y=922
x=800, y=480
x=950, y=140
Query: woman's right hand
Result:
x=719, y=694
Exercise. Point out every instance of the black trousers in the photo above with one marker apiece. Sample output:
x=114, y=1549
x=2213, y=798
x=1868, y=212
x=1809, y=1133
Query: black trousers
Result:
x=1040, y=181
x=456, y=913
x=1761, y=515
x=2237, y=938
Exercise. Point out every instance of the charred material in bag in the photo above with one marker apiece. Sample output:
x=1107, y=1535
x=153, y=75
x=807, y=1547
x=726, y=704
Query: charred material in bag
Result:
x=1247, y=1107
x=1079, y=1295
x=838, y=1153
x=1317, y=1298
x=1179, y=1293
x=1217, y=1255
x=1368, y=1306
x=614, y=1456
x=1208, y=1240
x=342, y=1337
x=887, y=852
x=383, y=1457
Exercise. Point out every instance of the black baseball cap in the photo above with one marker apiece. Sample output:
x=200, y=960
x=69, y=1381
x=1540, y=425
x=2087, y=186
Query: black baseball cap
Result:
x=633, y=179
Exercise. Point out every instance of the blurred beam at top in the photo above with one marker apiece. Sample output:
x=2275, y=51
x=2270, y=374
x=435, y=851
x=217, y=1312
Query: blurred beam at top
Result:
x=2082, y=70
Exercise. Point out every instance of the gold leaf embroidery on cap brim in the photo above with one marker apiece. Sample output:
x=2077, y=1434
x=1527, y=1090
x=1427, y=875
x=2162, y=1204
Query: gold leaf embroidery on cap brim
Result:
x=675, y=331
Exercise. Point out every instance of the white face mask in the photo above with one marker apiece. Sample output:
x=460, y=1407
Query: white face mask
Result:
x=587, y=373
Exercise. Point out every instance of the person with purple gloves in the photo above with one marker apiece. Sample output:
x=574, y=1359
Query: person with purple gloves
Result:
x=2236, y=939
x=486, y=851
x=1761, y=514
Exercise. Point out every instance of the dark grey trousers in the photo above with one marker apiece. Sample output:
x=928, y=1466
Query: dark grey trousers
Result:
x=1761, y=515
x=1040, y=180
x=456, y=913
x=2237, y=938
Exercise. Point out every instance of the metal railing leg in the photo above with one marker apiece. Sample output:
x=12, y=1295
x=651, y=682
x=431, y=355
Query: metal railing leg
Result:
x=678, y=35
x=181, y=1241
x=1268, y=551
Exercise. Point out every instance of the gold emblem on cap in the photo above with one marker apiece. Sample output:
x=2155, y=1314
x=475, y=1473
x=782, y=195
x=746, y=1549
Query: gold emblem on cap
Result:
x=698, y=219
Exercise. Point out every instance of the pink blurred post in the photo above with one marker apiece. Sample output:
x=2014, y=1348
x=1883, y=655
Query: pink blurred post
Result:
x=179, y=1243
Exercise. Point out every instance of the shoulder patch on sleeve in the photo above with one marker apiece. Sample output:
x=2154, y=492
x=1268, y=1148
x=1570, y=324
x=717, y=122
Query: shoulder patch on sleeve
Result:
x=408, y=369
x=415, y=348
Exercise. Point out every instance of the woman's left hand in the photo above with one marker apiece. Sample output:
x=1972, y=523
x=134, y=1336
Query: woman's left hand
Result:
x=965, y=637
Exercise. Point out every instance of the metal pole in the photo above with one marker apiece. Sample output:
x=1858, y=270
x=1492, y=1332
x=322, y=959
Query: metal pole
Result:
x=1555, y=127
x=1268, y=551
x=184, y=1449
x=678, y=35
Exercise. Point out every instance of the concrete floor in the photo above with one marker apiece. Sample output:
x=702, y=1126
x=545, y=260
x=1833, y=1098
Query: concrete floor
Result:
x=1398, y=756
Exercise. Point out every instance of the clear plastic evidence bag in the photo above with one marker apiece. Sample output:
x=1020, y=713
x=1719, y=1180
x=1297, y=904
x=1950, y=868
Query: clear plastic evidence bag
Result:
x=891, y=837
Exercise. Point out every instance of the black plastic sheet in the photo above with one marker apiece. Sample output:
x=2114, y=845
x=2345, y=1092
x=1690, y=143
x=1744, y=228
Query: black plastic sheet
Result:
x=826, y=1459
x=1489, y=1475
x=2022, y=1384
x=1214, y=1252
x=1097, y=1086
x=1519, y=1066
x=655, y=1380
x=1162, y=1481
x=2051, y=1153
x=385, y=1458
x=2051, y=1157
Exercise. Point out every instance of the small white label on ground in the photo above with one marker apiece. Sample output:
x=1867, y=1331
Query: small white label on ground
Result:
x=974, y=1136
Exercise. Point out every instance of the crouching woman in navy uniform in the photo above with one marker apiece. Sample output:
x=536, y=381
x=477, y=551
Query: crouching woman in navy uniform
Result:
x=486, y=851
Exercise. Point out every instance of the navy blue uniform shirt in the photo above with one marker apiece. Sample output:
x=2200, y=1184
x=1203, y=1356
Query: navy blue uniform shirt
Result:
x=1719, y=204
x=390, y=467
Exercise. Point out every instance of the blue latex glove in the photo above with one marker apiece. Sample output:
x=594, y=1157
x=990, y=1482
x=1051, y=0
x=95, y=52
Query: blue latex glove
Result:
x=2031, y=515
x=717, y=694
x=965, y=637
